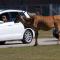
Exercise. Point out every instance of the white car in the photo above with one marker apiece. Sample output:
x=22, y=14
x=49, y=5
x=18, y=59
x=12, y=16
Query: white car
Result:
x=11, y=31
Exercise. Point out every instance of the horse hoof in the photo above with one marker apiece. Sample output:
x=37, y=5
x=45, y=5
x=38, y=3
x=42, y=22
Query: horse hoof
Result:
x=36, y=45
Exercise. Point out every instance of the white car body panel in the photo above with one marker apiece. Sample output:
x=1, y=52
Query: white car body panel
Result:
x=10, y=30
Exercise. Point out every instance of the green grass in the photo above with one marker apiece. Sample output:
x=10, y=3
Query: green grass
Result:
x=45, y=34
x=31, y=53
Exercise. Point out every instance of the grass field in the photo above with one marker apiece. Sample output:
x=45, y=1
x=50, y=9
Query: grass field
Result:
x=31, y=53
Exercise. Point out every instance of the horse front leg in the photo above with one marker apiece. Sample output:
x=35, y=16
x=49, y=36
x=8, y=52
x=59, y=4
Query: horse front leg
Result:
x=36, y=37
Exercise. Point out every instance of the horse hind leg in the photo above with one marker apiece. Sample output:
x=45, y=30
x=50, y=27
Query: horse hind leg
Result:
x=58, y=37
x=58, y=42
x=56, y=34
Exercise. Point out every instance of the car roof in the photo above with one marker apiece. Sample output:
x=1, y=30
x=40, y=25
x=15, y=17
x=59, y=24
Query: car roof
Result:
x=14, y=10
x=10, y=10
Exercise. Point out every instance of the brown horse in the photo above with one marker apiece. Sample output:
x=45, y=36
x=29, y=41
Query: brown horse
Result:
x=45, y=23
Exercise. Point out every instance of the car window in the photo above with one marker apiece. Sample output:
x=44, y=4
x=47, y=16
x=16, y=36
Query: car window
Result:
x=13, y=15
x=4, y=17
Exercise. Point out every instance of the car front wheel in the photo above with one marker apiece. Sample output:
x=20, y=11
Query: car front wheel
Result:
x=28, y=36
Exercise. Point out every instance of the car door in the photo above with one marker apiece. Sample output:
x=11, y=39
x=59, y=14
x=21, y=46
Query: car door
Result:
x=17, y=27
x=4, y=30
x=8, y=30
x=5, y=27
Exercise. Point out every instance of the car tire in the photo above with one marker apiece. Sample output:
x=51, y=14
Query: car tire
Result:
x=55, y=33
x=28, y=36
x=2, y=42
